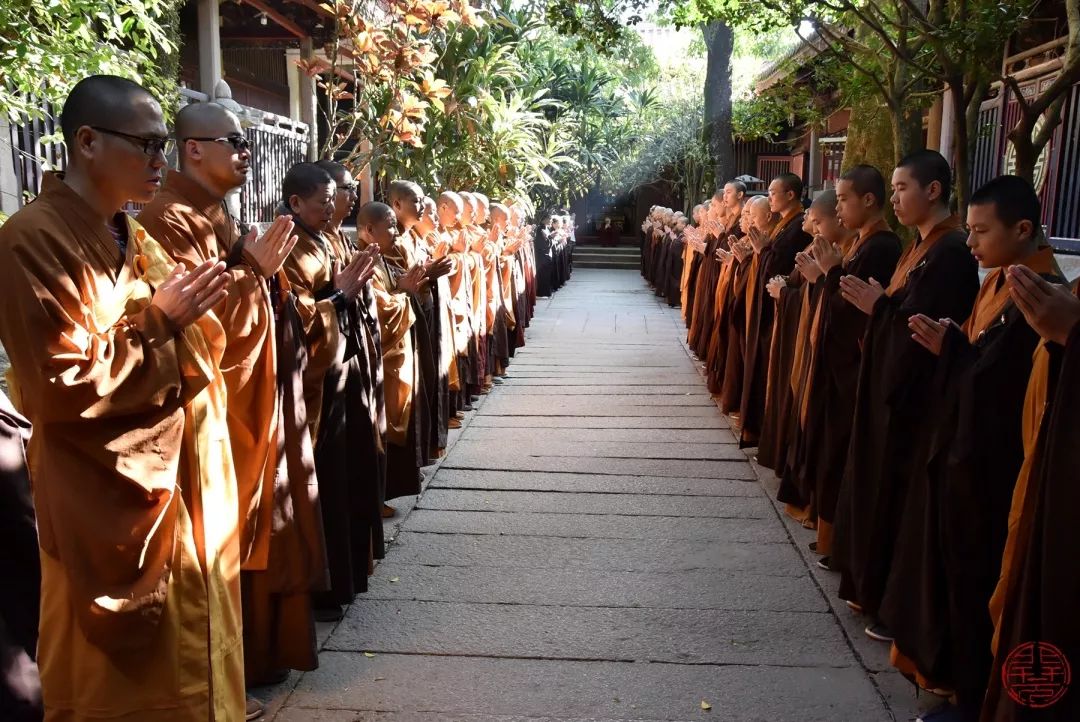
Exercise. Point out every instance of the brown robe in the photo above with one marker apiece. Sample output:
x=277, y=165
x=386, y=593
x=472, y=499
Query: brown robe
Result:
x=937, y=276
x=275, y=469
x=1037, y=594
x=133, y=481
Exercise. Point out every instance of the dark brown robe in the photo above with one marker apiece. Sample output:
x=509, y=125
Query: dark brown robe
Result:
x=1039, y=591
x=937, y=276
x=835, y=373
x=952, y=535
x=776, y=259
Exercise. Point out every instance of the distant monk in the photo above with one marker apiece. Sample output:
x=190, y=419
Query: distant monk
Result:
x=739, y=261
x=860, y=207
x=116, y=363
x=282, y=543
x=936, y=277
x=775, y=257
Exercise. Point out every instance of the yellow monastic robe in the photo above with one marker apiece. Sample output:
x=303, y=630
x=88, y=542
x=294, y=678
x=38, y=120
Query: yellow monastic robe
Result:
x=133, y=480
x=193, y=227
x=396, y=320
x=460, y=279
x=310, y=269
x=447, y=338
x=478, y=274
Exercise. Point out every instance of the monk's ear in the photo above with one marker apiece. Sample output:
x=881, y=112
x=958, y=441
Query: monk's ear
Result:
x=1025, y=231
x=294, y=203
x=933, y=191
x=87, y=140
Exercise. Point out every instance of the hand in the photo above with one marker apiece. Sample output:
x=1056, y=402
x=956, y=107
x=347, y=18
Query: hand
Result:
x=758, y=239
x=775, y=285
x=724, y=256
x=413, y=281
x=269, y=251
x=827, y=255
x=742, y=250
x=438, y=269
x=352, y=279
x=860, y=294
x=807, y=266
x=928, y=333
x=1052, y=310
x=185, y=297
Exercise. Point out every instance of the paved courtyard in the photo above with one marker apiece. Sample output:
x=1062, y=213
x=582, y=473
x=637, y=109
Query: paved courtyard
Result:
x=595, y=546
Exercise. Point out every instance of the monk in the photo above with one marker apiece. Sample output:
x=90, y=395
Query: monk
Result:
x=716, y=349
x=708, y=276
x=115, y=360
x=1037, y=595
x=834, y=373
x=377, y=227
x=327, y=283
x=450, y=207
x=281, y=524
x=691, y=262
x=775, y=257
x=794, y=411
x=366, y=393
x=937, y=277
x=955, y=523
x=738, y=258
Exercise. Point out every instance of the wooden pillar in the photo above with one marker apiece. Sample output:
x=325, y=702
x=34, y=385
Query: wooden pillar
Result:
x=308, y=99
x=933, y=124
x=948, y=128
x=9, y=183
x=210, y=70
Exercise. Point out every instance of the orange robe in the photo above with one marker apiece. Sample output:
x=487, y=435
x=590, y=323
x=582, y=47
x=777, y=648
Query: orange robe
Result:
x=396, y=319
x=271, y=448
x=133, y=480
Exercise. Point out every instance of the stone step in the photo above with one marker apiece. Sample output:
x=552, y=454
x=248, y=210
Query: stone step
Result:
x=608, y=263
x=600, y=251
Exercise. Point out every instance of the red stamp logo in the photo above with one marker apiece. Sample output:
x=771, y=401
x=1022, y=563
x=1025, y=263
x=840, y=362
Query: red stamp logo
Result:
x=1036, y=674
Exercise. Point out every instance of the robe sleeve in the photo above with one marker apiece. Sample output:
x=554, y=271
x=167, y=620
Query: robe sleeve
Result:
x=395, y=313
x=318, y=315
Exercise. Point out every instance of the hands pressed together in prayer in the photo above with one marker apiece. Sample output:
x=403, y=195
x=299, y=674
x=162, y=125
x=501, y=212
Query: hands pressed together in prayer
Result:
x=352, y=279
x=758, y=239
x=184, y=297
x=741, y=249
x=414, y=280
x=269, y=251
x=1052, y=310
x=775, y=285
x=928, y=333
x=439, y=268
x=826, y=255
x=807, y=266
x=724, y=256
x=860, y=294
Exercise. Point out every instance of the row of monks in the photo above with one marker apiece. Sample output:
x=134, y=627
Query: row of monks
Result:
x=918, y=419
x=216, y=416
x=553, y=247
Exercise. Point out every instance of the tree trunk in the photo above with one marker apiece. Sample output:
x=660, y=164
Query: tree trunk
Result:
x=870, y=136
x=720, y=43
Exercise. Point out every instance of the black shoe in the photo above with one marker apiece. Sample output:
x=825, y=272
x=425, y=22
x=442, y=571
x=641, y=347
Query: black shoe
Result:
x=824, y=563
x=879, y=632
x=332, y=613
x=467, y=407
x=813, y=546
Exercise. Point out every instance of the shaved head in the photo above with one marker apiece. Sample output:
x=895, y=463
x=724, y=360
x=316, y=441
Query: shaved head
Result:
x=451, y=198
x=101, y=101
x=205, y=120
x=336, y=170
x=373, y=212
x=403, y=190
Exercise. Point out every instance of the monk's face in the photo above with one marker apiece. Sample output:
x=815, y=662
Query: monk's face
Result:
x=761, y=214
x=853, y=210
x=225, y=162
x=408, y=207
x=480, y=212
x=780, y=198
x=992, y=241
x=345, y=195
x=316, y=209
x=382, y=232
x=808, y=224
x=117, y=160
x=468, y=208
x=913, y=202
x=825, y=224
x=732, y=196
x=430, y=217
x=449, y=213
x=745, y=221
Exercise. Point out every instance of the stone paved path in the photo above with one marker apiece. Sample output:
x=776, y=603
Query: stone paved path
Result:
x=596, y=547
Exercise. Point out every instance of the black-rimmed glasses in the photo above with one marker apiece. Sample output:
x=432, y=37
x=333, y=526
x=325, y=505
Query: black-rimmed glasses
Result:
x=238, y=142
x=150, y=146
x=348, y=187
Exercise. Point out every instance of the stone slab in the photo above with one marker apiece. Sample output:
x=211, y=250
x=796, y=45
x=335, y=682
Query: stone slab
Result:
x=579, y=526
x=643, y=421
x=586, y=447
x=483, y=690
x=713, y=507
x=589, y=483
x=640, y=555
x=564, y=390
x=684, y=636
x=697, y=589
x=586, y=465
x=540, y=401
x=653, y=437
